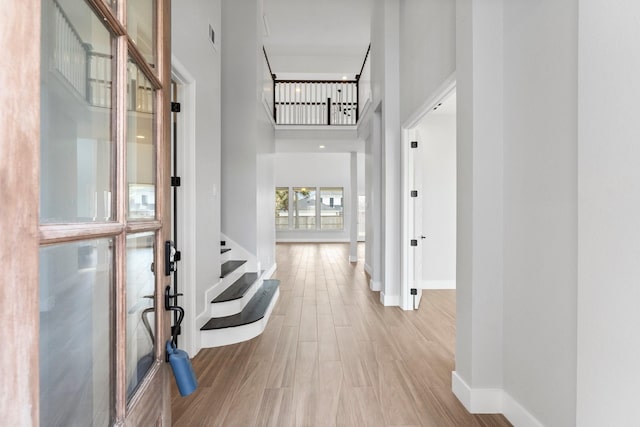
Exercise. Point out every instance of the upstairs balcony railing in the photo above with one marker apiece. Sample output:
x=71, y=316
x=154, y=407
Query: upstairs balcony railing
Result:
x=318, y=102
x=88, y=74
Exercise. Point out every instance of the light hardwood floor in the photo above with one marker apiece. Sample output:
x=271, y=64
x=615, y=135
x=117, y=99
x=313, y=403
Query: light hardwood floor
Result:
x=332, y=355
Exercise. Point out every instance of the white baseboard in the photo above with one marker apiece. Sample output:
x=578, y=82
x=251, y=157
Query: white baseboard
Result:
x=269, y=272
x=367, y=269
x=389, y=300
x=353, y=258
x=312, y=240
x=375, y=285
x=436, y=284
x=492, y=401
x=516, y=414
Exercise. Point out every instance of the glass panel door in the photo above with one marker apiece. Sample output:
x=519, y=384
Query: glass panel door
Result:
x=102, y=148
x=141, y=18
x=77, y=150
x=76, y=323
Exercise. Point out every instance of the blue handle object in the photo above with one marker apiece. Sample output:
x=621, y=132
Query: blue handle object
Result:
x=182, y=370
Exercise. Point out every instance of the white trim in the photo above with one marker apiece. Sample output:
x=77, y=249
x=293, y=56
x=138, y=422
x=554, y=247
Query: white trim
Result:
x=227, y=336
x=268, y=273
x=209, y=295
x=389, y=300
x=477, y=401
x=187, y=209
x=367, y=269
x=375, y=286
x=439, y=94
x=353, y=258
x=492, y=401
x=517, y=414
x=436, y=284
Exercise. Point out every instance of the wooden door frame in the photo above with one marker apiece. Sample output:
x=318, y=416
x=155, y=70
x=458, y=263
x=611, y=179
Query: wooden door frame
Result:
x=19, y=222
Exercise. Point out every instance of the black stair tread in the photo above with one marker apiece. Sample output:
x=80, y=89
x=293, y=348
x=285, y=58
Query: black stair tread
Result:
x=224, y=250
x=229, y=266
x=253, y=311
x=238, y=288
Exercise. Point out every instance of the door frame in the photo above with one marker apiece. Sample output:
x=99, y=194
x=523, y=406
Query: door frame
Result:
x=187, y=207
x=19, y=192
x=407, y=132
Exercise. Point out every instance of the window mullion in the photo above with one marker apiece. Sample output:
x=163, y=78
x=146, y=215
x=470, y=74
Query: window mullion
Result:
x=120, y=125
x=318, y=203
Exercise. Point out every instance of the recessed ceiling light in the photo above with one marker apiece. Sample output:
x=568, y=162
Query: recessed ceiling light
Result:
x=321, y=146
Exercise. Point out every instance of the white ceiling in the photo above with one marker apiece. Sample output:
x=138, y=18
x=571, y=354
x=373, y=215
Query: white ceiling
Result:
x=328, y=37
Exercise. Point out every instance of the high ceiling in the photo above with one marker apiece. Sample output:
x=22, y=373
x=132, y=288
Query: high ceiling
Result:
x=317, y=37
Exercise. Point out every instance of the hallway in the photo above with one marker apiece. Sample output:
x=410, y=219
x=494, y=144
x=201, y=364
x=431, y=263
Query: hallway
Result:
x=331, y=354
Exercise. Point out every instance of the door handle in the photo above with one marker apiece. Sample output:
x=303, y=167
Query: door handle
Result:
x=171, y=256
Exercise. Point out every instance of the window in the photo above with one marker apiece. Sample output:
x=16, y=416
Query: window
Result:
x=331, y=208
x=304, y=210
x=282, y=208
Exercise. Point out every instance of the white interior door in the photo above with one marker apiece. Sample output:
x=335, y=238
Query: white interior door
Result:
x=416, y=234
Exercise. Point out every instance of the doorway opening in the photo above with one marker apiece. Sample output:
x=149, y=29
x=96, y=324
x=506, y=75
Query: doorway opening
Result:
x=429, y=160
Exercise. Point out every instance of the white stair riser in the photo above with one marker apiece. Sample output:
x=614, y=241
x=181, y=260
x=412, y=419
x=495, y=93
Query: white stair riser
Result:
x=236, y=334
x=227, y=308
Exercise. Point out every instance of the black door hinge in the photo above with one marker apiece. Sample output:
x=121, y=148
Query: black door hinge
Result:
x=175, y=181
x=414, y=193
x=414, y=144
x=175, y=107
x=414, y=242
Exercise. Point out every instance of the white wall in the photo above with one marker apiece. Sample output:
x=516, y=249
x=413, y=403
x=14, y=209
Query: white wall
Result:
x=385, y=85
x=315, y=170
x=480, y=195
x=191, y=47
x=437, y=150
x=248, y=138
x=540, y=207
x=427, y=50
x=608, y=203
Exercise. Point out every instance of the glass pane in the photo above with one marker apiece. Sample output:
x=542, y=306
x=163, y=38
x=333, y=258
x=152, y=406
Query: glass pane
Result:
x=141, y=155
x=77, y=152
x=304, y=208
x=331, y=208
x=76, y=296
x=282, y=208
x=140, y=309
x=141, y=18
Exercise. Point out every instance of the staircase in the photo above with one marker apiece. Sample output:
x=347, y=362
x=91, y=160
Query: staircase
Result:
x=241, y=311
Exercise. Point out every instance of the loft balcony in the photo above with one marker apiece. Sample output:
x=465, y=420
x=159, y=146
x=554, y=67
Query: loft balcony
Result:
x=319, y=104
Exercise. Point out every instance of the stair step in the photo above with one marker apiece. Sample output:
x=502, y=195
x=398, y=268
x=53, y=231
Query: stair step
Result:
x=238, y=288
x=224, y=250
x=229, y=267
x=254, y=311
